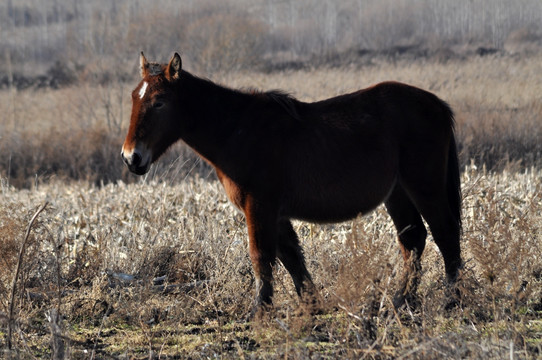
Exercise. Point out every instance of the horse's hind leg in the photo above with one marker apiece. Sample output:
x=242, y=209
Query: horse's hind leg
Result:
x=432, y=200
x=412, y=233
x=290, y=254
x=446, y=231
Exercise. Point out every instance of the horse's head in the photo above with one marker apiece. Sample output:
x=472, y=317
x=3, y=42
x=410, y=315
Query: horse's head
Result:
x=154, y=112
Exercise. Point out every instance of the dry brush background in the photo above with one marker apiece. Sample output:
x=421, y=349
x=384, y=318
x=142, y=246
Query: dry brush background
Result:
x=157, y=267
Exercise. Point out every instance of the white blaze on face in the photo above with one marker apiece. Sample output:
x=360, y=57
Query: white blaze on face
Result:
x=143, y=90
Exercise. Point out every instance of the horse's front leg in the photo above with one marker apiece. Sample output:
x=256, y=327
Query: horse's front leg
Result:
x=262, y=232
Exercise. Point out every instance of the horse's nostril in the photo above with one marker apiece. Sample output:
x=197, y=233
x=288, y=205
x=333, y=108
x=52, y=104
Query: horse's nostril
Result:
x=123, y=157
x=136, y=159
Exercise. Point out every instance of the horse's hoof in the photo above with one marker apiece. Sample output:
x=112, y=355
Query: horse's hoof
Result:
x=453, y=296
x=400, y=300
x=255, y=314
x=258, y=312
x=454, y=301
x=311, y=304
x=452, y=304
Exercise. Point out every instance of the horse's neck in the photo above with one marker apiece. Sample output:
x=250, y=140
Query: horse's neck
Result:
x=214, y=113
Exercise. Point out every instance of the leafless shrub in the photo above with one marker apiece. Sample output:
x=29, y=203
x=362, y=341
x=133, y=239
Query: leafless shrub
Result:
x=101, y=36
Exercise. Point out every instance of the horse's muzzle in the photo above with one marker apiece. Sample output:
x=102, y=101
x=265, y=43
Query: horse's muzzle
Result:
x=135, y=162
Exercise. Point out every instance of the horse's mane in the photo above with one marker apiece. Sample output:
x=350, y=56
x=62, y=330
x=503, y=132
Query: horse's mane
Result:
x=285, y=100
x=288, y=102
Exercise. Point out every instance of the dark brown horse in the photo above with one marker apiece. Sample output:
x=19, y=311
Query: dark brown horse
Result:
x=280, y=159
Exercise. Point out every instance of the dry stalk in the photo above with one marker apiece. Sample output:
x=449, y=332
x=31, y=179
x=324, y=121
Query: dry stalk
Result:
x=57, y=340
x=16, y=275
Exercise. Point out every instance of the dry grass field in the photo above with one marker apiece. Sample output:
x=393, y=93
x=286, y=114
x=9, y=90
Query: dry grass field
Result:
x=157, y=267
x=161, y=271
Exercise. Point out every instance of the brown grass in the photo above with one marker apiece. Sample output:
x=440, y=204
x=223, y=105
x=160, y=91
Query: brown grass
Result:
x=114, y=240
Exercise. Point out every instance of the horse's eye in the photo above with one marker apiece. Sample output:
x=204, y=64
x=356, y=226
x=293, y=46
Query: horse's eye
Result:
x=158, y=105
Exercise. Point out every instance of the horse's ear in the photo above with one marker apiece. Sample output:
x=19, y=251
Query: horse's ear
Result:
x=174, y=67
x=143, y=65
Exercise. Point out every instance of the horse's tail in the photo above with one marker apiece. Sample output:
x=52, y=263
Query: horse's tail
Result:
x=453, y=178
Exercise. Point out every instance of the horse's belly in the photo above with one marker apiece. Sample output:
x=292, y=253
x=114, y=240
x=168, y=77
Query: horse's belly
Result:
x=336, y=203
x=323, y=214
x=338, y=180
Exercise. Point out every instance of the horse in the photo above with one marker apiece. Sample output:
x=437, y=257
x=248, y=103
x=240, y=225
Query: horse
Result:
x=279, y=158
